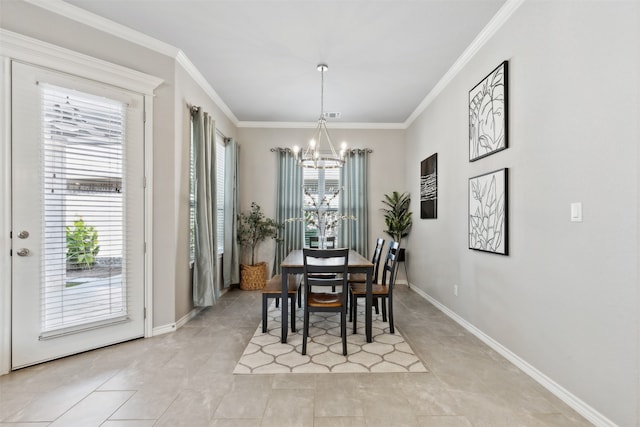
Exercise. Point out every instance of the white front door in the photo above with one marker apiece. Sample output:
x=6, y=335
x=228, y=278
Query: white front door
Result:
x=77, y=215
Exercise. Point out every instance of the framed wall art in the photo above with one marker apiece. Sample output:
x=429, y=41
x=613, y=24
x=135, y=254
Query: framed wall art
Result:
x=429, y=187
x=488, y=114
x=488, y=219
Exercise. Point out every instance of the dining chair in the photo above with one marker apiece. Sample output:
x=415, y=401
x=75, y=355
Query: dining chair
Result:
x=314, y=242
x=362, y=278
x=273, y=289
x=383, y=290
x=324, y=268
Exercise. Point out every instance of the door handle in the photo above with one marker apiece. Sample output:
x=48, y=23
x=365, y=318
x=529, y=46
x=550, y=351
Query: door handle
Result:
x=23, y=234
x=23, y=252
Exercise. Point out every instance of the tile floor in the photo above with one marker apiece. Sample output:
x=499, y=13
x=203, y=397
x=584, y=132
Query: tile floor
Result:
x=185, y=379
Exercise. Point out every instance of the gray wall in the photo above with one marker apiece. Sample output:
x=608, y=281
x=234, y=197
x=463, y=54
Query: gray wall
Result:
x=566, y=299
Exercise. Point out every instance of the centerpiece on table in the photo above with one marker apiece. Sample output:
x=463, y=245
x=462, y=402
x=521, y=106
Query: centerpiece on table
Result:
x=317, y=215
x=253, y=228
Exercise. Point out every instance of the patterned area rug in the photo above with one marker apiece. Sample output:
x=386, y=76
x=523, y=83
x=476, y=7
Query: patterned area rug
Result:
x=265, y=354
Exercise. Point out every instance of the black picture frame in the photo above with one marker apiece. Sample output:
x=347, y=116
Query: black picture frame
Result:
x=488, y=212
x=488, y=114
x=429, y=187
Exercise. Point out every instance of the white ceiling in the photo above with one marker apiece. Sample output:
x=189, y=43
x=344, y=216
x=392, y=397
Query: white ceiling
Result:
x=260, y=56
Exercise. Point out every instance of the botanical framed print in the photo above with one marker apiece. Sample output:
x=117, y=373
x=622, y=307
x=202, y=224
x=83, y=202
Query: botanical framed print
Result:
x=488, y=114
x=488, y=219
x=429, y=187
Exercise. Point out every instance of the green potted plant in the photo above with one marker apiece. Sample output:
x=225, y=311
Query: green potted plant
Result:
x=397, y=217
x=253, y=228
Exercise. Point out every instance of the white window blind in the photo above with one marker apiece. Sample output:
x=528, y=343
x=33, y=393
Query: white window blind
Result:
x=220, y=173
x=83, y=210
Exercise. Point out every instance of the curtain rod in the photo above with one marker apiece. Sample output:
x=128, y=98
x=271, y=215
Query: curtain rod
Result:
x=352, y=150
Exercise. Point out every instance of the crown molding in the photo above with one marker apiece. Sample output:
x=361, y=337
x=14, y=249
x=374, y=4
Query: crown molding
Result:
x=196, y=75
x=113, y=28
x=312, y=125
x=22, y=48
x=98, y=22
x=505, y=12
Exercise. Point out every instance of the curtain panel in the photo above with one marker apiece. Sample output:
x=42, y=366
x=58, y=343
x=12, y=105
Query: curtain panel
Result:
x=205, y=291
x=231, y=256
x=288, y=205
x=354, y=201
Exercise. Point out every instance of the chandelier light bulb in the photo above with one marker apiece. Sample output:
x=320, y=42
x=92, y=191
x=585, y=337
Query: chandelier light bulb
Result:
x=312, y=144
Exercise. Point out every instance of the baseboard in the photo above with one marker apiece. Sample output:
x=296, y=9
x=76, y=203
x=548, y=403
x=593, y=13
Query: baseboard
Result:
x=164, y=329
x=171, y=327
x=560, y=392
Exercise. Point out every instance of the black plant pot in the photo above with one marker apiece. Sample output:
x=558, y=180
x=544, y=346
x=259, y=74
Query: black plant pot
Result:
x=401, y=255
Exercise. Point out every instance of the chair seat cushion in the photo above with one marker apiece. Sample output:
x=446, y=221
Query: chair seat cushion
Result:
x=376, y=289
x=315, y=299
x=274, y=285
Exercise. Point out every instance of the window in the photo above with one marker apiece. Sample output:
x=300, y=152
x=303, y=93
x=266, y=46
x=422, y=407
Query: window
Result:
x=220, y=162
x=320, y=185
x=84, y=208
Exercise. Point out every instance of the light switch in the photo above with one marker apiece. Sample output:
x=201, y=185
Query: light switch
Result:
x=576, y=212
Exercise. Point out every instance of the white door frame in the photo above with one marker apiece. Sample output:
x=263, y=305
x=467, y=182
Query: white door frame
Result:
x=14, y=46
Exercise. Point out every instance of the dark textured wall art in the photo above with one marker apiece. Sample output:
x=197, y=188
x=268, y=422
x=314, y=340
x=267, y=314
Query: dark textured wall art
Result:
x=429, y=187
x=488, y=114
x=488, y=225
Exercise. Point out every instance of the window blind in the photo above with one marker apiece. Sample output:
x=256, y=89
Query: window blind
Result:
x=83, y=191
x=220, y=173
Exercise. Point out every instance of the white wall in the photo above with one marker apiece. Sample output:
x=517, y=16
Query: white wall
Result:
x=566, y=299
x=258, y=168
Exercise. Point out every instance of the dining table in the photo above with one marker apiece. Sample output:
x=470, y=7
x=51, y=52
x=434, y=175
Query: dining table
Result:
x=294, y=264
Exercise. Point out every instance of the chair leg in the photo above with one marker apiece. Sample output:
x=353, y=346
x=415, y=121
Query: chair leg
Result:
x=350, y=301
x=264, y=313
x=277, y=302
x=293, y=313
x=343, y=330
x=355, y=314
x=384, y=309
x=391, y=328
x=375, y=304
x=305, y=331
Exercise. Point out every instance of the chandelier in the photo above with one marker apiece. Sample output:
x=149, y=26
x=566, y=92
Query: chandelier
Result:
x=316, y=155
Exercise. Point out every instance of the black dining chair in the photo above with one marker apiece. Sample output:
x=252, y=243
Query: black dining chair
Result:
x=324, y=269
x=314, y=242
x=383, y=290
x=273, y=289
x=362, y=278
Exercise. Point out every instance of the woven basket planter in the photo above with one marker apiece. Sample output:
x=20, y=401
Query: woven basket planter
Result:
x=253, y=277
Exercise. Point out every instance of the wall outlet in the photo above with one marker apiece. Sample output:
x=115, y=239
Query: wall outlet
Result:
x=455, y=290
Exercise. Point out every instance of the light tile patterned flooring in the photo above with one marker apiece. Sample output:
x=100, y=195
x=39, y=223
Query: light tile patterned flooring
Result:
x=185, y=379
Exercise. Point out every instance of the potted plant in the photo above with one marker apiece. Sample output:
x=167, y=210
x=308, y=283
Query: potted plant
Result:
x=253, y=228
x=397, y=217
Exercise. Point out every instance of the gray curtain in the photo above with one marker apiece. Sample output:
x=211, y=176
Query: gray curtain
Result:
x=231, y=256
x=205, y=292
x=354, y=201
x=288, y=205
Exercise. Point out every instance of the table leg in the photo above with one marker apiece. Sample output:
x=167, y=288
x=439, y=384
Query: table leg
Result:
x=284, y=304
x=367, y=307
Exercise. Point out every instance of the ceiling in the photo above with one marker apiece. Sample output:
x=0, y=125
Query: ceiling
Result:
x=260, y=56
